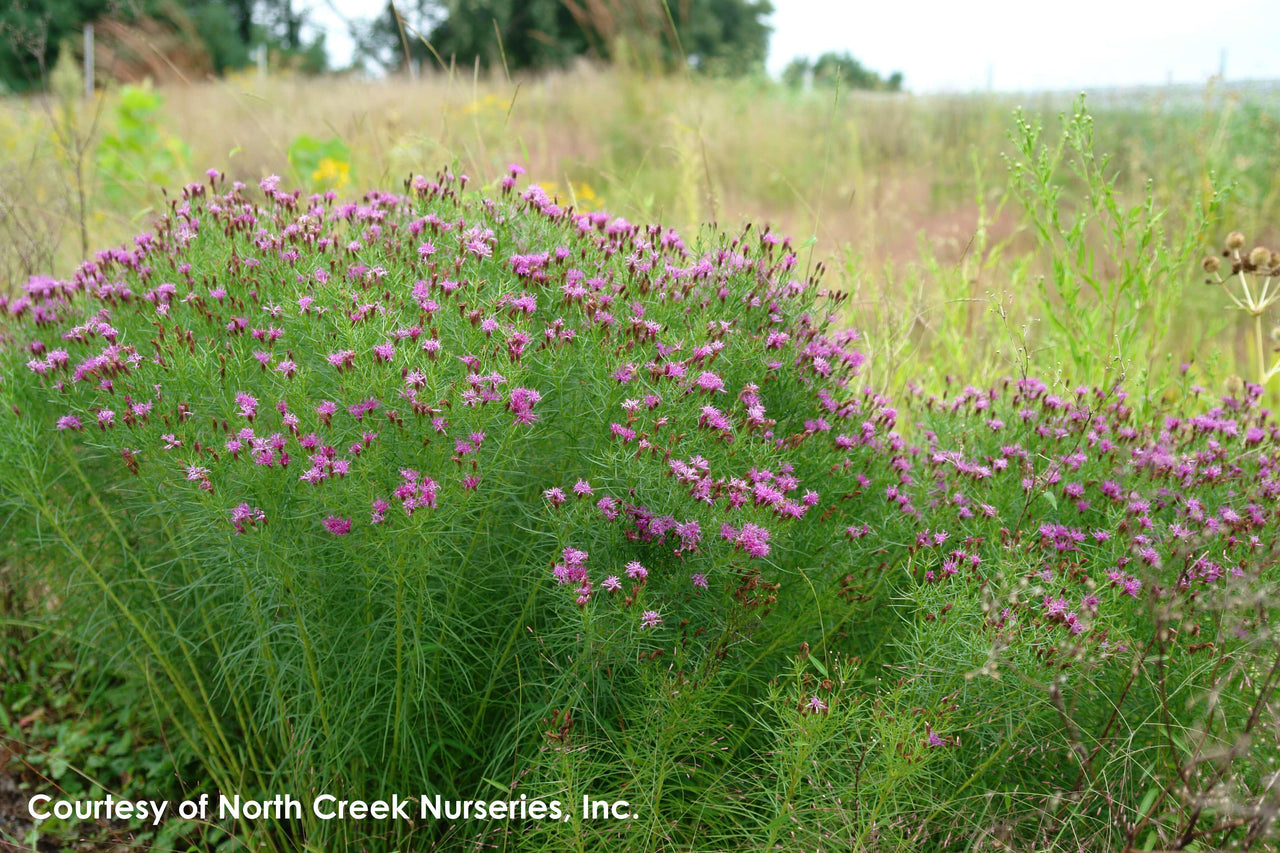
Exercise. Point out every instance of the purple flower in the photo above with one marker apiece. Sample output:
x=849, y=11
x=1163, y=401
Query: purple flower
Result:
x=636, y=571
x=243, y=515
x=815, y=705
x=337, y=525
x=754, y=540
x=650, y=619
x=709, y=382
x=555, y=495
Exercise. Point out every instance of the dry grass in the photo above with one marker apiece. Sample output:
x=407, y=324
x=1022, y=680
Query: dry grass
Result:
x=903, y=197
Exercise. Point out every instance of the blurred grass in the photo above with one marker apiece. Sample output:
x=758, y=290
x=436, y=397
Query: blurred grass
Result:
x=904, y=199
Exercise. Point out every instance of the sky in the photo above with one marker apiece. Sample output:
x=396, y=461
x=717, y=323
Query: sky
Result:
x=1006, y=45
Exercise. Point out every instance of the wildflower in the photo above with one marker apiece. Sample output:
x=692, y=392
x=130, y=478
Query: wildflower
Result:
x=337, y=525
x=815, y=705
x=636, y=571
x=612, y=583
x=243, y=515
x=69, y=422
x=554, y=495
x=650, y=619
x=709, y=382
x=609, y=507
x=248, y=406
x=754, y=540
x=699, y=580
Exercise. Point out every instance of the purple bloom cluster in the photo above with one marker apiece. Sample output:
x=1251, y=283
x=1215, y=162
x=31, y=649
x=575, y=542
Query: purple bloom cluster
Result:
x=433, y=352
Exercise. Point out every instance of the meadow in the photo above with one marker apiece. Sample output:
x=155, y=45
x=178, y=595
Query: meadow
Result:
x=911, y=486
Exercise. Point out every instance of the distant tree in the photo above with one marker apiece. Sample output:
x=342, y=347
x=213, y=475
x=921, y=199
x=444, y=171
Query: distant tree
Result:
x=831, y=67
x=797, y=72
x=720, y=36
x=219, y=28
x=32, y=30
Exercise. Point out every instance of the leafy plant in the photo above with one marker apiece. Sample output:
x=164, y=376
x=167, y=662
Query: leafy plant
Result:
x=1118, y=269
x=136, y=153
x=321, y=165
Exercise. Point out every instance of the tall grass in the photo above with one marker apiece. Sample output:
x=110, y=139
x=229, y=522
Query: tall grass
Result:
x=864, y=176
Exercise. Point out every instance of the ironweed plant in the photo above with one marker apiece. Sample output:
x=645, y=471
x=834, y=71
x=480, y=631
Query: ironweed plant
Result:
x=472, y=495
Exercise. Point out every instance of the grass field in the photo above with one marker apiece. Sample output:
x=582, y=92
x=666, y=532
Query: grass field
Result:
x=905, y=200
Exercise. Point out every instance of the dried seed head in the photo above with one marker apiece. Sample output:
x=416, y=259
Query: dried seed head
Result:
x=1210, y=264
x=1260, y=256
x=1235, y=385
x=1235, y=240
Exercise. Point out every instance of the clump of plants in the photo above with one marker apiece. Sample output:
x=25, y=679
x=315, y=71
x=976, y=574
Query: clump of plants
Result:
x=474, y=495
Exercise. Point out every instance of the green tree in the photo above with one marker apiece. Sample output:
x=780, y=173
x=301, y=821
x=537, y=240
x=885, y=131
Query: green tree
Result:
x=831, y=67
x=718, y=36
x=32, y=30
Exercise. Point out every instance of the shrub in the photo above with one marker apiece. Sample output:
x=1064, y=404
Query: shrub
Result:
x=473, y=495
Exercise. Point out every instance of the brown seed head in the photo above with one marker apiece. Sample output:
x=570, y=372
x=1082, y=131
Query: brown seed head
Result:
x=1234, y=385
x=1260, y=256
x=1235, y=240
x=1210, y=264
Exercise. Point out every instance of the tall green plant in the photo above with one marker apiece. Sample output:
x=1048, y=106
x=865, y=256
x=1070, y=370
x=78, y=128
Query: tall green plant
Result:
x=1118, y=267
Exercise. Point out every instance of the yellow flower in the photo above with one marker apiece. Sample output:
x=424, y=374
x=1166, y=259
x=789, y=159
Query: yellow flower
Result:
x=332, y=173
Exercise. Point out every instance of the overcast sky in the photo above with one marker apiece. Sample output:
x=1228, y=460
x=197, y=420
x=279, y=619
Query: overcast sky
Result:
x=1015, y=45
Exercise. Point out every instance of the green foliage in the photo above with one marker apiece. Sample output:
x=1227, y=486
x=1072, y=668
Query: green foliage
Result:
x=136, y=153
x=479, y=496
x=1118, y=270
x=217, y=24
x=832, y=69
x=728, y=37
x=31, y=33
x=321, y=165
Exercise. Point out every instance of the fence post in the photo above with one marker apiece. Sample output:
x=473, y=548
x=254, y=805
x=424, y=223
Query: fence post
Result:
x=88, y=61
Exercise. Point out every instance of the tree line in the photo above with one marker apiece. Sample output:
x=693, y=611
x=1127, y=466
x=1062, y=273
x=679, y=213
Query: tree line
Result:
x=722, y=37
